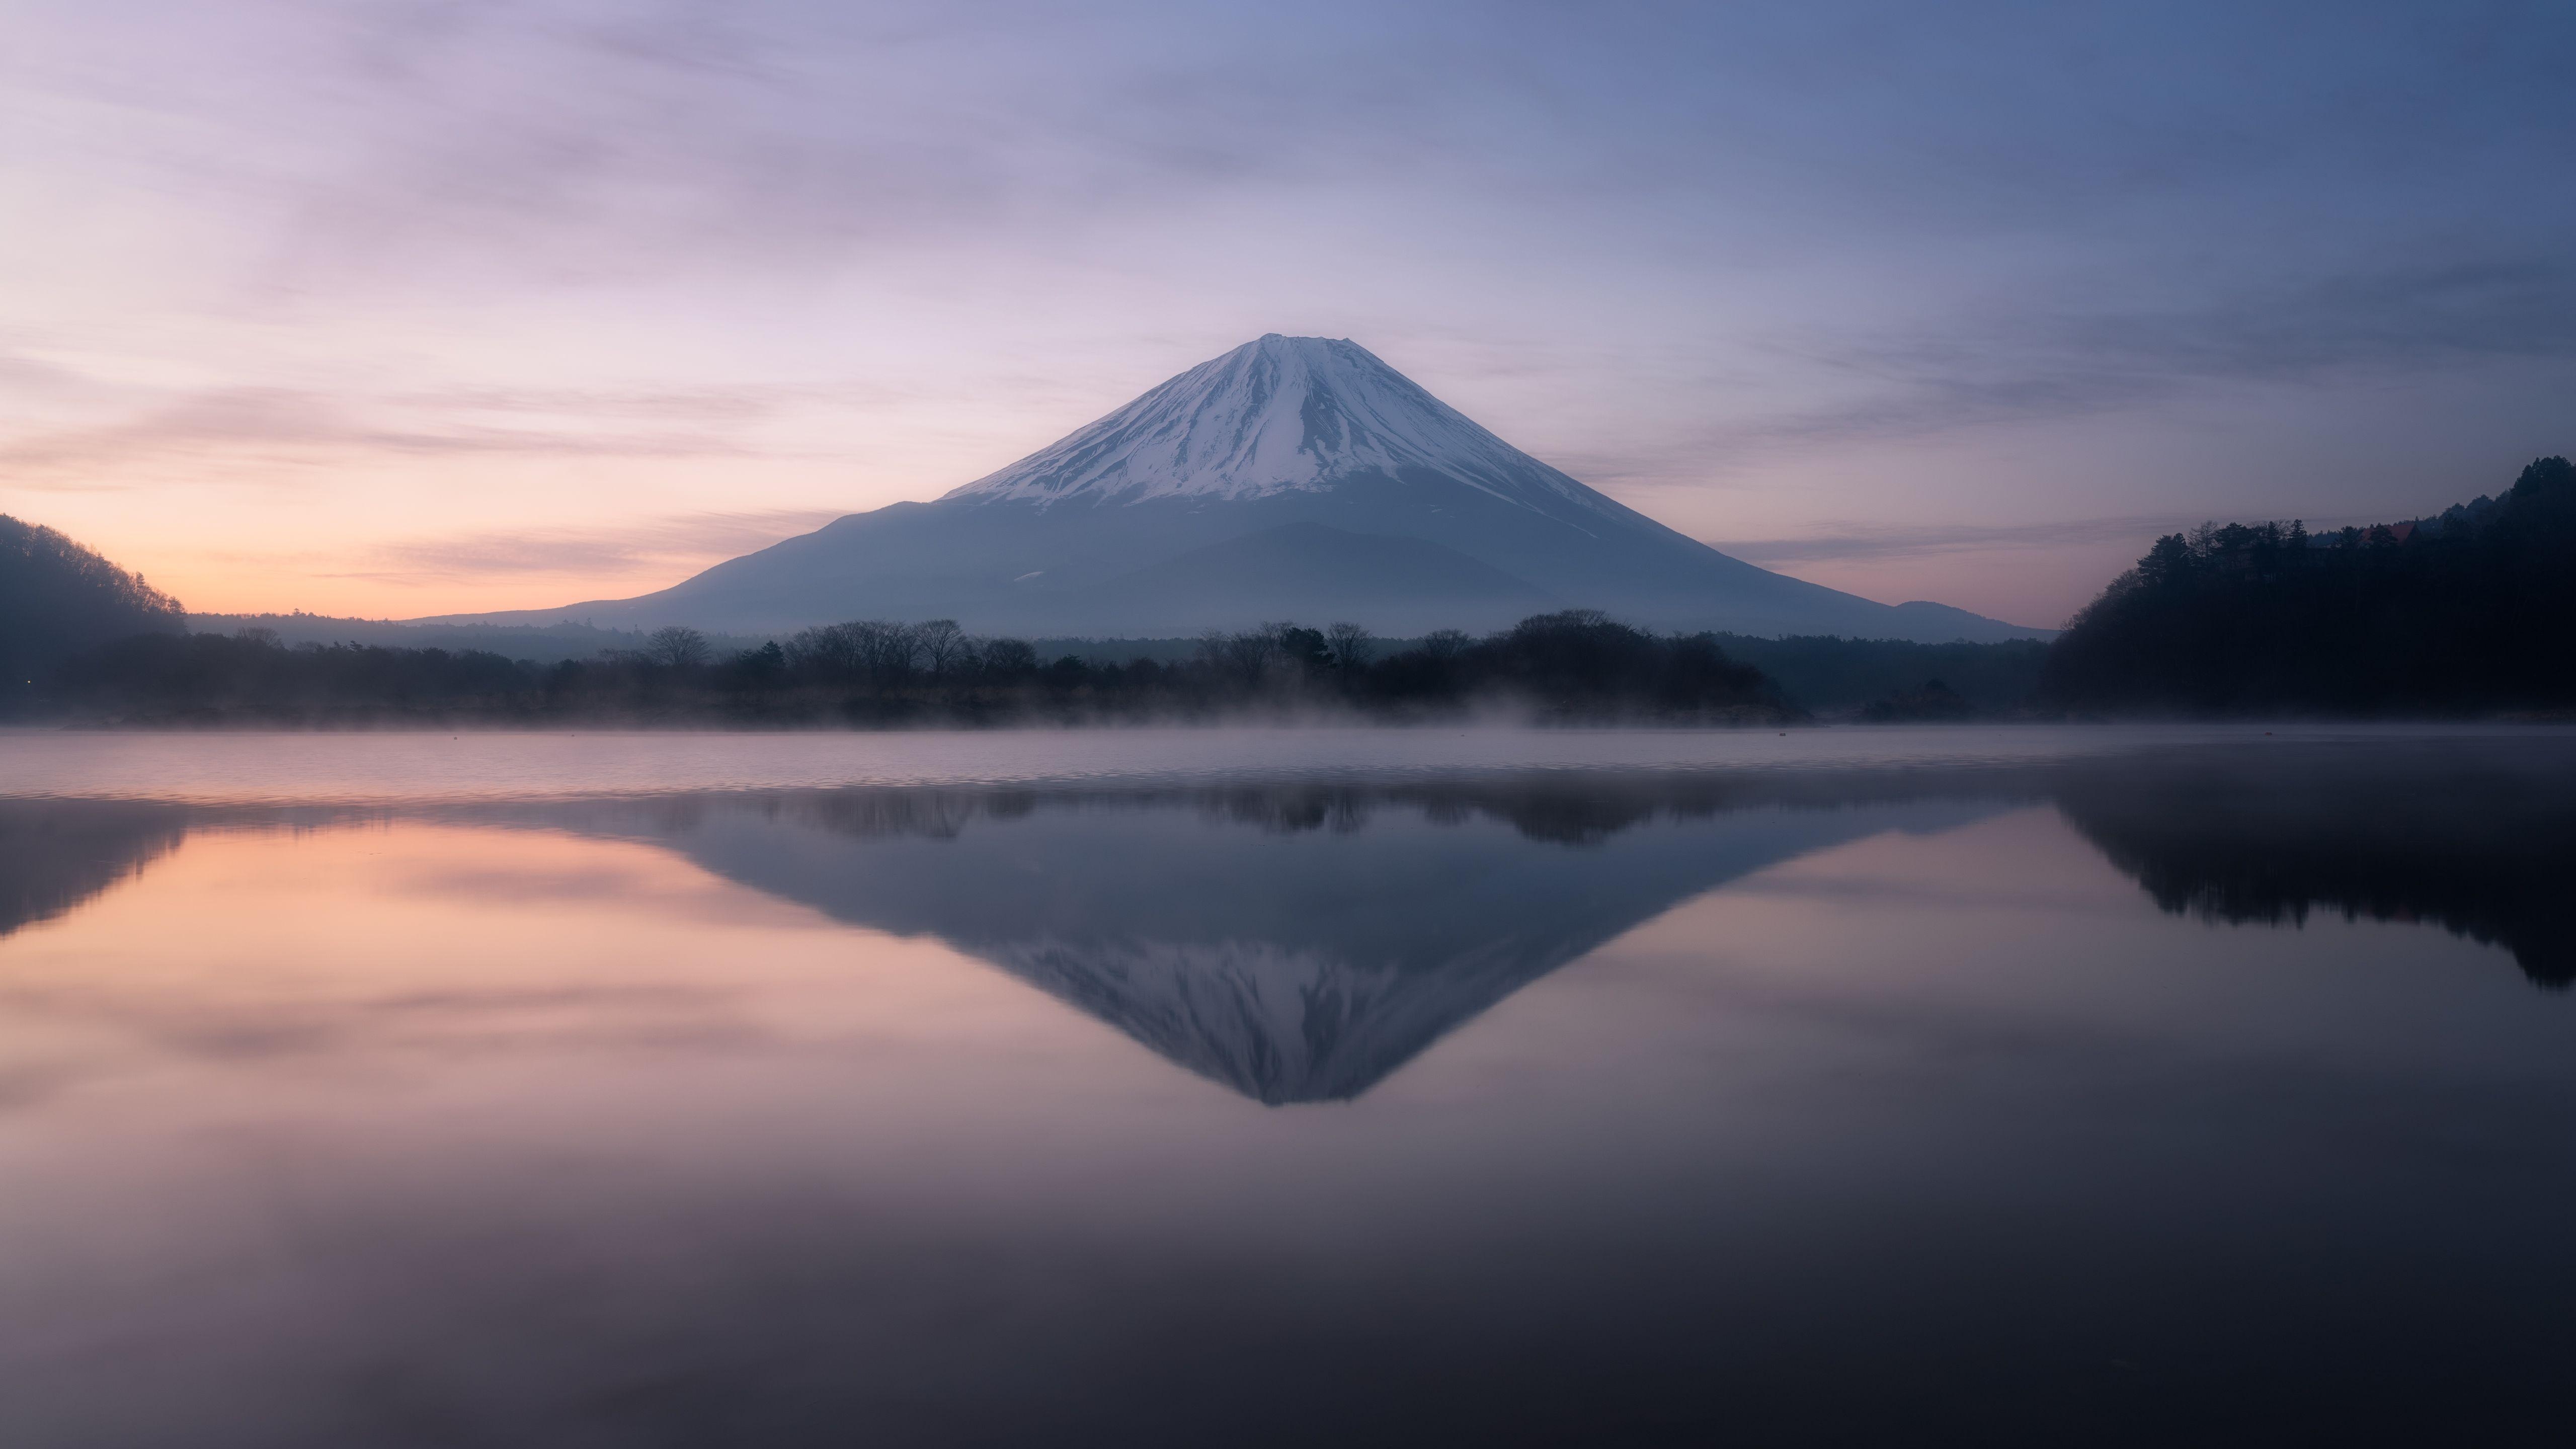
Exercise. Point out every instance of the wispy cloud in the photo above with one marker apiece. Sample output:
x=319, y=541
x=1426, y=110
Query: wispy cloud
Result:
x=712, y=402
x=20, y=373
x=556, y=140
x=659, y=543
x=1850, y=541
x=284, y=424
x=2071, y=360
x=1845, y=542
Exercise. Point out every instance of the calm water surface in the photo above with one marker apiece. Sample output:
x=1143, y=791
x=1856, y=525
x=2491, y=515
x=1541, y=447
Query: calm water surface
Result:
x=2175, y=1086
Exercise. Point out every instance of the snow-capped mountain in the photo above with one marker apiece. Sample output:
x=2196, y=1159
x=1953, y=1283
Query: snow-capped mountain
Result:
x=1279, y=414
x=1294, y=477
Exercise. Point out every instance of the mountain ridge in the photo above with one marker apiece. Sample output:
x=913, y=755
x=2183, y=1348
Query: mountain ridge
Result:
x=1282, y=431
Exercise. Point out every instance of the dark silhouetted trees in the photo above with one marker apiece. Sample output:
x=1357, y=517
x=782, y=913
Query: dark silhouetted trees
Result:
x=1350, y=646
x=1931, y=702
x=943, y=646
x=58, y=599
x=2463, y=612
x=677, y=647
x=251, y=678
x=1834, y=675
x=1581, y=664
x=1572, y=667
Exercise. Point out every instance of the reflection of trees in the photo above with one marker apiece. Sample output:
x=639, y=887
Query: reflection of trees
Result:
x=1579, y=810
x=55, y=854
x=2479, y=839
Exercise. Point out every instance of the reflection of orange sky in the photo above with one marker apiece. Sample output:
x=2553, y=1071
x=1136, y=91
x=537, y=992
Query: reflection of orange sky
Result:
x=405, y=947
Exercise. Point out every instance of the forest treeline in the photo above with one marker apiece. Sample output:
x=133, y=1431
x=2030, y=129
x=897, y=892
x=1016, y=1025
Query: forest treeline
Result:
x=2465, y=612
x=58, y=599
x=1571, y=667
x=87, y=642
x=2461, y=613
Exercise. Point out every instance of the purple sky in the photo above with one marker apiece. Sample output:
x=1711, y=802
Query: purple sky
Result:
x=431, y=305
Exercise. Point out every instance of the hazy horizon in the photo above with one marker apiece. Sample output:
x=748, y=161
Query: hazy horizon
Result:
x=404, y=310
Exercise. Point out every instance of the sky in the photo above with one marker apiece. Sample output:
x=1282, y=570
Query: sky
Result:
x=425, y=306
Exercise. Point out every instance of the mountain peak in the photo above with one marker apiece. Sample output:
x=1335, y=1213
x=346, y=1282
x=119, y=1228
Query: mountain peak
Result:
x=1294, y=477
x=1278, y=414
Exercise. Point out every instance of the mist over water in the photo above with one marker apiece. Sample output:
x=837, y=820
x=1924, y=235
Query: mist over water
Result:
x=398, y=766
x=2006, y=1086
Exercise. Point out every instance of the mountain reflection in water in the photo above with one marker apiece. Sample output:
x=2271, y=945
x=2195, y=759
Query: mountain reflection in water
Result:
x=2037, y=1103
x=1301, y=943
x=1296, y=945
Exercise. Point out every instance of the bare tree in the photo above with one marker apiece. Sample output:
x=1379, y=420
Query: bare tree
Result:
x=1246, y=656
x=1349, y=646
x=678, y=646
x=1446, y=644
x=898, y=654
x=1008, y=658
x=829, y=651
x=886, y=651
x=943, y=645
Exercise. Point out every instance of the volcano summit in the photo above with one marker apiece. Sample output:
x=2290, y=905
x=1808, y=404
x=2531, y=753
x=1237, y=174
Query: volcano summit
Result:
x=1294, y=477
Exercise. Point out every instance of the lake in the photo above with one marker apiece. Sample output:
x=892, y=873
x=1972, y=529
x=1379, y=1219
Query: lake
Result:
x=1982, y=1085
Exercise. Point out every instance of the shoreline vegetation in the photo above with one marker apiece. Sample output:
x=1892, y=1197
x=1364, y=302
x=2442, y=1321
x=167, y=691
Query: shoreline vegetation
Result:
x=2465, y=612
x=1574, y=667
x=2455, y=615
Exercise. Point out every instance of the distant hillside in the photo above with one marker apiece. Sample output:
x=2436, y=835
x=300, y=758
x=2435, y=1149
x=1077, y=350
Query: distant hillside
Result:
x=58, y=598
x=537, y=643
x=2466, y=611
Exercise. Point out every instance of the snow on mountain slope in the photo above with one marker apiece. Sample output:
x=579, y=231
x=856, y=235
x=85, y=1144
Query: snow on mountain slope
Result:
x=1274, y=1023
x=1274, y=415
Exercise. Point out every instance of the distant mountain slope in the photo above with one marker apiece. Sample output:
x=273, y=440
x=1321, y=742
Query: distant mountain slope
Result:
x=58, y=598
x=1282, y=431
x=1405, y=585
